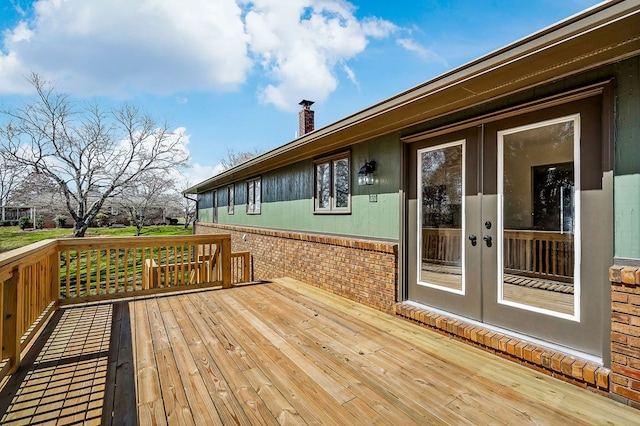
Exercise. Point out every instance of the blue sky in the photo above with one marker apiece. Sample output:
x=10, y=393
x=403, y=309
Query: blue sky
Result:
x=231, y=72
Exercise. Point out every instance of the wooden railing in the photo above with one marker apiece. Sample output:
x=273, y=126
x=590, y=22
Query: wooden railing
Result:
x=29, y=278
x=38, y=278
x=539, y=254
x=536, y=254
x=442, y=245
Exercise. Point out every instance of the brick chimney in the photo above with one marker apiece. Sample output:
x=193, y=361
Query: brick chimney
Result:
x=305, y=118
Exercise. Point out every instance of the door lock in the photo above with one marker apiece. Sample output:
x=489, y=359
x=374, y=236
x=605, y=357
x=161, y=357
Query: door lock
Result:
x=487, y=224
x=488, y=240
x=473, y=239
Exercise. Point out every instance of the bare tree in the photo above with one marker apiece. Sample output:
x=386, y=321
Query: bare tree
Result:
x=150, y=192
x=187, y=205
x=11, y=176
x=92, y=153
x=235, y=158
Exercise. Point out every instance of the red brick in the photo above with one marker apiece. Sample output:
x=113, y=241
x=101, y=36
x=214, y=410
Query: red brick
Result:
x=625, y=392
x=619, y=337
x=528, y=352
x=625, y=329
x=619, y=297
x=589, y=373
x=503, y=343
x=556, y=362
x=628, y=275
x=487, y=338
x=495, y=341
x=576, y=369
x=619, y=380
x=626, y=371
x=536, y=355
x=621, y=318
x=619, y=359
x=602, y=378
x=520, y=350
x=614, y=274
x=566, y=365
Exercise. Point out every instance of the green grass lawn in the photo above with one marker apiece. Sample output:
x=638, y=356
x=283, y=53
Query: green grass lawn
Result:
x=11, y=237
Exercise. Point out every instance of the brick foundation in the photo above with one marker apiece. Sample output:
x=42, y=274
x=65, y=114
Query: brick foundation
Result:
x=625, y=333
x=557, y=364
x=360, y=270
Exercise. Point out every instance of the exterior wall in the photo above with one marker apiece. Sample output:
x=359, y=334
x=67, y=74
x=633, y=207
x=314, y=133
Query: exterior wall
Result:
x=625, y=277
x=360, y=270
x=625, y=333
x=627, y=160
x=367, y=272
x=287, y=198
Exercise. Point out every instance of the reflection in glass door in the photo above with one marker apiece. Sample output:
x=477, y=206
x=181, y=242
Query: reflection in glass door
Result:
x=440, y=217
x=539, y=216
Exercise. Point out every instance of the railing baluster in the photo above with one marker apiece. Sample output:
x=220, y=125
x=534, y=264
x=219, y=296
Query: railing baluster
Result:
x=107, y=284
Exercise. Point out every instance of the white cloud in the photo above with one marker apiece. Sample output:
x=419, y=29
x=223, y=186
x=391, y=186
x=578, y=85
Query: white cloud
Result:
x=97, y=47
x=199, y=173
x=350, y=74
x=300, y=43
x=413, y=46
x=121, y=47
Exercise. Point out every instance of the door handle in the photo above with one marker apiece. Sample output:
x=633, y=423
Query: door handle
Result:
x=488, y=240
x=473, y=239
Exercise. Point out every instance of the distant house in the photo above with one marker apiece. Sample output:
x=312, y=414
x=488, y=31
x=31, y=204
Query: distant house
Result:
x=498, y=203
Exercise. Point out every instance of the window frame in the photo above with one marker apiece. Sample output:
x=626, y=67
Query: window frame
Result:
x=254, y=207
x=231, y=191
x=331, y=162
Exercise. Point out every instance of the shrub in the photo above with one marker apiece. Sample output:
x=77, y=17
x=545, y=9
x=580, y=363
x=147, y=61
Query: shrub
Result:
x=39, y=222
x=60, y=221
x=102, y=219
x=24, y=222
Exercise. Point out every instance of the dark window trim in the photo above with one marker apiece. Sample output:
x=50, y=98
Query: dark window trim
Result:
x=257, y=209
x=231, y=195
x=331, y=160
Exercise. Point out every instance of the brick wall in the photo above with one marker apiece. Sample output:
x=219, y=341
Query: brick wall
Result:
x=625, y=333
x=360, y=270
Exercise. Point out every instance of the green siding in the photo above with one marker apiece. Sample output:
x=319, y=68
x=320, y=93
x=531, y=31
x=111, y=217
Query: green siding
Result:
x=287, y=197
x=628, y=117
x=627, y=160
x=367, y=219
x=627, y=216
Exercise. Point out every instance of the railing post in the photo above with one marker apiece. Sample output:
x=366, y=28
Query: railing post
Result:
x=226, y=262
x=54, y=274
x=12, y=309
x=247, y=267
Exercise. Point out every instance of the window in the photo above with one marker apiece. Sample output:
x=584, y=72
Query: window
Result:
x=230, y=199
x=333, y=185
x=254, y=188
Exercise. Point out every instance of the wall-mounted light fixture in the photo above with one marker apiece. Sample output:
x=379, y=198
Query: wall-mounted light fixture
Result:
x=365, y=175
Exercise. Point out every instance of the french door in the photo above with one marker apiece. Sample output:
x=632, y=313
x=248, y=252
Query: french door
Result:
x=501, y=225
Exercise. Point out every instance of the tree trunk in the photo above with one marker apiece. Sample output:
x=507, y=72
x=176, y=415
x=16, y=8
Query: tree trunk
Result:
x=79, y=229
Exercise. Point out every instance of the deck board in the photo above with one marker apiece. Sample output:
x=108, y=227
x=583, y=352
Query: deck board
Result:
x=278, y=353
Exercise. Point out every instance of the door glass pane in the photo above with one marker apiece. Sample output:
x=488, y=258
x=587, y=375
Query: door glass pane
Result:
x=539, y=212
x=441, y=200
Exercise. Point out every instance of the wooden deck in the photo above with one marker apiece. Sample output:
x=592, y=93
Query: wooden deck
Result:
x=278, y=353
